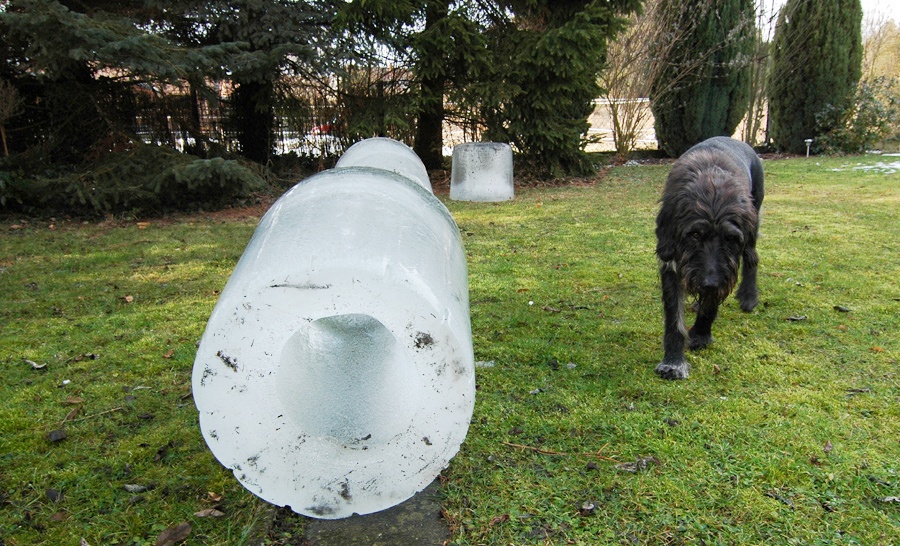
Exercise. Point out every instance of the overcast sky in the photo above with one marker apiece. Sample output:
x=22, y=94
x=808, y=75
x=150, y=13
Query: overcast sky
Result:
x=874, y=9
x=879, y=7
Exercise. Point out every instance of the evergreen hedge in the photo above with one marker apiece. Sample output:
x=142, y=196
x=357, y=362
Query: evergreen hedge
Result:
x=816, y=66
x=703, y=88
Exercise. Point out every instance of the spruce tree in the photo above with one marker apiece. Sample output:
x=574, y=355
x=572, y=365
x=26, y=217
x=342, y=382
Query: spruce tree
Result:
x=816, y=65
x=277, y=37
x=547, y=64
x=702, y=88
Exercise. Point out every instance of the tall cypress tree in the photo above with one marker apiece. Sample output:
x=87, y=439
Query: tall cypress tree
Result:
x=691, y=100
x=816, y=65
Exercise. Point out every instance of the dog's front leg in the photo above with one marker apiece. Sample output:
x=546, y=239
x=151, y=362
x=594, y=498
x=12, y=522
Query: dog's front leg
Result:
x=747, y=294
x=707, y=309
x=673, y=365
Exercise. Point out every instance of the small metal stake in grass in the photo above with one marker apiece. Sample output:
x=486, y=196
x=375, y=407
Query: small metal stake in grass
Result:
x=808, y=142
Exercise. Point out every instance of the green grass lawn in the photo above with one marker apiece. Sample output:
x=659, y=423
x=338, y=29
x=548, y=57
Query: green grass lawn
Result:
x=787, y=431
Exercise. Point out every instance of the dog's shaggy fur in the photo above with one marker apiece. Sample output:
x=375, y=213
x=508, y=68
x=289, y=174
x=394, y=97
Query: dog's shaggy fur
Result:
x=707, y=226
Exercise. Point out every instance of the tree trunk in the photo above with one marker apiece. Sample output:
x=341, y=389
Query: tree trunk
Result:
x=429, y=130
x=254, y=119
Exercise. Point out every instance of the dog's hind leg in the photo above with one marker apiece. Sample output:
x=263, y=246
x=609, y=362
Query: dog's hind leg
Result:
x=707, y=309
x=673, y=365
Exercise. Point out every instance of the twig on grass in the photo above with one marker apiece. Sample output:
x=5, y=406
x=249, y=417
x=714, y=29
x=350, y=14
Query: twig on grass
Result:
x=120, y=408
x=562, y=453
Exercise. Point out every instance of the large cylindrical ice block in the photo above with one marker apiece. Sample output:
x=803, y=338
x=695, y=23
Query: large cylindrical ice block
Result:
x=482, y=171
x=336, y=373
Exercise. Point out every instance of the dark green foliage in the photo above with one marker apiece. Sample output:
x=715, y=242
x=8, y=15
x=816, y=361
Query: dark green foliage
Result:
x=216, y=77
x=94, y=75
x=276, y=38
x=433, y=47
x=521, y=72
x=80, y=69
x=544, y=75
x=702, y=88
x=281, y=37
x=816, y=65
x=137, y=179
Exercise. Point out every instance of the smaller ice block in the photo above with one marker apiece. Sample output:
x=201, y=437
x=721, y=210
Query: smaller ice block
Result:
x=482, y=171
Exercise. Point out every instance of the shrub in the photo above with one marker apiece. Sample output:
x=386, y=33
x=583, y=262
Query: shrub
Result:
x=872, y=120
x=700, y=75
x=134, y=178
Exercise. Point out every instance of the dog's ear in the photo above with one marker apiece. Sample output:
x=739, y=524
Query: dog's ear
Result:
x=665, y=232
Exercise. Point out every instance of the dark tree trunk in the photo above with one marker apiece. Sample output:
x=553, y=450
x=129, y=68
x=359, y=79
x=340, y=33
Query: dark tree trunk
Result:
x=429, y=130
x=254, y=119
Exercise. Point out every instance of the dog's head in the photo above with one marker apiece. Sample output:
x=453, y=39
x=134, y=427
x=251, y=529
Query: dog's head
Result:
x=706, y=220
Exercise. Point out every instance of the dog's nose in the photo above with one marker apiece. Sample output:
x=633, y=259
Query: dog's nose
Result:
x=710, y=280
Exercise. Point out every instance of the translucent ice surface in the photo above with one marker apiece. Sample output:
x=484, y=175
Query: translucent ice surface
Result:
x=482, y=171
x=336, y=373
x=387, y=154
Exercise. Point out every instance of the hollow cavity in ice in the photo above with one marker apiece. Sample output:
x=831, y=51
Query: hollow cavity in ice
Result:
x=340, y=376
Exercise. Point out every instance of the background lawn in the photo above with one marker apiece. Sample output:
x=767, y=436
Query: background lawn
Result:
x=787, y=431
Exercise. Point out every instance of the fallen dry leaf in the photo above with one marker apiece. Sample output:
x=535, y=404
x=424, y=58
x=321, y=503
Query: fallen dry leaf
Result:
x=209, y=513
x=128, y=299
x=828, y=447
x=173, y=535
x=72, y=414
x=169, y=354
x=499, y=519
x=73, y=400
x=215, y=497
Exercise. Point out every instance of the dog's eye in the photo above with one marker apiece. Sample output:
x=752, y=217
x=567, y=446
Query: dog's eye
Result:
x=695, y=235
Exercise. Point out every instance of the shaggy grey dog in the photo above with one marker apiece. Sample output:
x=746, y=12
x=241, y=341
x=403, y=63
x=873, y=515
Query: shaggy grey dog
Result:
x=706, y=230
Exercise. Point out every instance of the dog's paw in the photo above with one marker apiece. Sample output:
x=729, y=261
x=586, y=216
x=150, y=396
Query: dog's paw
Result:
x=748, y=303
x=673, y=369
x=697, y=342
